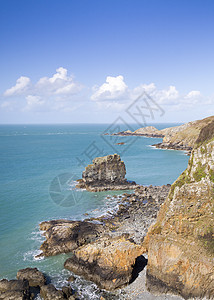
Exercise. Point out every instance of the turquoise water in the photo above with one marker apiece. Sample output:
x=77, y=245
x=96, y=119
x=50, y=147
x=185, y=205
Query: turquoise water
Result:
x=32, y=160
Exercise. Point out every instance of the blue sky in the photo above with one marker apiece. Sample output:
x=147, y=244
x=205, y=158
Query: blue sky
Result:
x=65, y=61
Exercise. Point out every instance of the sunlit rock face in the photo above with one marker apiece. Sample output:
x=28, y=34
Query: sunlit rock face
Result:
x=105, y=173
x=181, y=243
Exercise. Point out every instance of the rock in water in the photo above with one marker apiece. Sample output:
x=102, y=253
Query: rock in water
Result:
x=108, y=262
x=14, y=290
x=33, y=275
x=49, y=292
x=181, y=243
x=106, y=173
x=63, y=236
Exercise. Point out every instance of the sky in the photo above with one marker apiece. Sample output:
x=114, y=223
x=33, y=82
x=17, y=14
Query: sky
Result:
x=93, y=61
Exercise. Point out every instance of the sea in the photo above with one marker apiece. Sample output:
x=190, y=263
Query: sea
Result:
x=39, y=167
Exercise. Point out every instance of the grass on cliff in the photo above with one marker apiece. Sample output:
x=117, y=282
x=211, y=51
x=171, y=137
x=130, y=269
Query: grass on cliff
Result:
x=207, y=241
x=182, y=179
x=206, y=134
x=200, y=172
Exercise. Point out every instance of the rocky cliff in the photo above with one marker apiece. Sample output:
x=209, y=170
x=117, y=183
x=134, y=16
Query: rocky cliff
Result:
x=181, y=137
x=180, y=244
x=105, y=173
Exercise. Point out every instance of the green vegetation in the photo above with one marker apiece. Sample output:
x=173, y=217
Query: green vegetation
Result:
x=200, y=172
x=211, y=173
x=207, y=240
x=206, y=134
x=204, y=149
x=182, y=179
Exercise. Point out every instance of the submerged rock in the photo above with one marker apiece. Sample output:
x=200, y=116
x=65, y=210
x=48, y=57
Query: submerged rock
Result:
x=63, y=236
x=105, y=173
x=108, y=262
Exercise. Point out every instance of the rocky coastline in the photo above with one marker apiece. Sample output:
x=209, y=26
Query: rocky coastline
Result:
x=173, y=225
x=29, y=284
x=182, y=137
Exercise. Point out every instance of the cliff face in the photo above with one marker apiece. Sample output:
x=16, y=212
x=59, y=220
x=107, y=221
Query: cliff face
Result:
x=181, y=243
x=105, y=173
x=184, y=136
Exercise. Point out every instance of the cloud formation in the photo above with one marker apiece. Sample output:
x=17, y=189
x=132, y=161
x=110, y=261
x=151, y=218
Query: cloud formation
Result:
x=60, y=92
x=20, y=87
x=114, y=93
x=113, y=88
x=46, y=92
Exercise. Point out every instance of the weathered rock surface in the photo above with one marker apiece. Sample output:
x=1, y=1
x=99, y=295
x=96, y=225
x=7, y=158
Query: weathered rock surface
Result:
x=108, y=262
x=181, y=243
x=14, y=290
x=63, y=236
x=33, y=275
x=31, y=282
x=49, y=292
x=105, y=173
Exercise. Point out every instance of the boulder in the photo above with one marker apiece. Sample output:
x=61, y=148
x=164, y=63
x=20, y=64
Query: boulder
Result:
x=33, y=275
x=14, y=290
x=63, y=236
x=105, y=173
x=49, y=292
x=108, y=262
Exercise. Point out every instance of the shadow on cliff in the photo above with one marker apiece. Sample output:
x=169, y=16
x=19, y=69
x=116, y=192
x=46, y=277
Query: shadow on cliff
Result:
x=139, y=265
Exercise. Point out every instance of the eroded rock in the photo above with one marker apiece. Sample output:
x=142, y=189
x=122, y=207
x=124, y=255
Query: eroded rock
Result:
x=108, y=262
x=14, y=290
x=105, y=173
x=63, y=236
x=181, y=242
x=33, y=275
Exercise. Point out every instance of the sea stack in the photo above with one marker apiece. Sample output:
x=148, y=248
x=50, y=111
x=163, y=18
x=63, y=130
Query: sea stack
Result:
x=105, y=173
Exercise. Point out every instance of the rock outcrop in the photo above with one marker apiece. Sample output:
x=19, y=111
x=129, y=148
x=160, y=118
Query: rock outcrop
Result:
x=182, y=137
x=14, y=290
x=181, y=243
x=49, y=292
x=63, y=236
x=108, y=262
x=30, y=285
x=33, y=276
x=105, y=173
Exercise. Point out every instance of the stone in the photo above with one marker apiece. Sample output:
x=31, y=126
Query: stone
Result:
x=108, y=262
x=180, y=244
x=33, y=275
x=63, y=236
x=14, y=290
x=105, y=173
x=49, y=292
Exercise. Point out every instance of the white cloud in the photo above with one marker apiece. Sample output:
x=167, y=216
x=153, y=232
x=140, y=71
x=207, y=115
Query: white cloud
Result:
x=60, y=83
x=21, y=86
x=113, y=88
x=47, y=91
x=118, y=96
x=33, y=102
x=193, y=94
